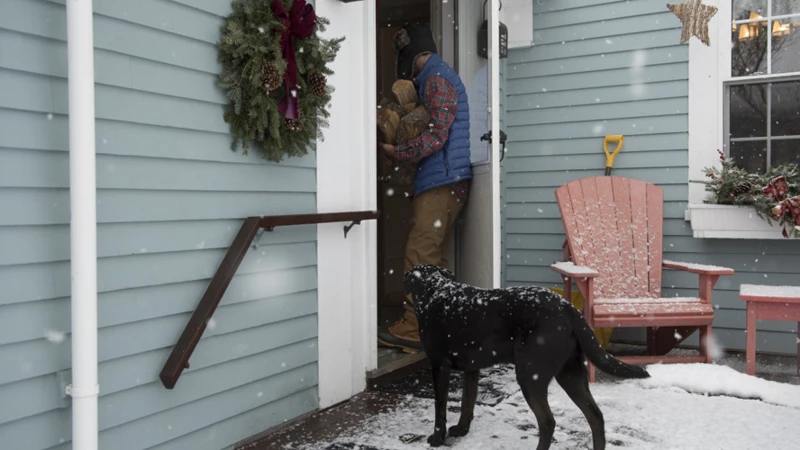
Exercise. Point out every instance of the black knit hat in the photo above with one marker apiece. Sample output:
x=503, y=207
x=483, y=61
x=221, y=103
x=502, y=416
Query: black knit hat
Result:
x=410, y=41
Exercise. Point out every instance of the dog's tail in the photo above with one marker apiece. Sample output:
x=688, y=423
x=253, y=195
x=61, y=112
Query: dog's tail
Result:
x=592, y=349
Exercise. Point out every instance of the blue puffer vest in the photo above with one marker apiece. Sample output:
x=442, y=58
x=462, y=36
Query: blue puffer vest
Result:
x=451, y=163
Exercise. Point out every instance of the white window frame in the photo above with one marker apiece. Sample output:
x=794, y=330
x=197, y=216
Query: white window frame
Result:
x=709, y=70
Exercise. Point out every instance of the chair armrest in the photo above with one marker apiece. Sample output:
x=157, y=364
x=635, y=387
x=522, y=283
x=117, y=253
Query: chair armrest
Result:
x=698, y=269
x=568, y=269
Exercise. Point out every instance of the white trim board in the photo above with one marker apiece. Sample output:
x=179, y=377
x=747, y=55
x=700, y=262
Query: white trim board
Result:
x=346, y=180
x=705, y=98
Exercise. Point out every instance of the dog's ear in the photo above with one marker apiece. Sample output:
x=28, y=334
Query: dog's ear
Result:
x=413, y=283
x=446, y=273
x=418, y=278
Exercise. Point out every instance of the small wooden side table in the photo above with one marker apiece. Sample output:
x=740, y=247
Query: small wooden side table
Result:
x=769, y=303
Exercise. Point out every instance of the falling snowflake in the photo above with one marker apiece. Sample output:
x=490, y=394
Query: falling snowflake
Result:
x=54, y=336
x=261, y=30
x=389, y=192
x=437, y=224
x=212, y=324
x=50, y=116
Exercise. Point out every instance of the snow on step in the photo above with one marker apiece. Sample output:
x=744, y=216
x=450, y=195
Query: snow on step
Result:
x=760, y=291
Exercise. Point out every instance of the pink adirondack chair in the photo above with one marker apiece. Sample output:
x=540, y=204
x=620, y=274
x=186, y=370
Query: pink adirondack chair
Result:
x=613, y=252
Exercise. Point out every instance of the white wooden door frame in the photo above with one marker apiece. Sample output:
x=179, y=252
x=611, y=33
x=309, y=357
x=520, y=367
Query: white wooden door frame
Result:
x=494, y=83
x=346, y=179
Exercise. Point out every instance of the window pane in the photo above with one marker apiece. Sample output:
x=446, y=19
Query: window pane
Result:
x=749, y=49
x=748, y=111
x=784, y=7
x=786, y=45
x=743, y=9
x=786, y=109
x=785, y=152
x=751, y=156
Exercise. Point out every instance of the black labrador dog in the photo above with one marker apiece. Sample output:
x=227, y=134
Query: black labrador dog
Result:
x=466, y=328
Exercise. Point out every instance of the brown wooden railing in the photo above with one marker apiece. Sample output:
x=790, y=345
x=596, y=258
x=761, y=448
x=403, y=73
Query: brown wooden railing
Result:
x=179, y=358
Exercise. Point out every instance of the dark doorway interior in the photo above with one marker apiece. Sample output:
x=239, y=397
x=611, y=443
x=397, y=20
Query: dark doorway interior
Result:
x=394, y=199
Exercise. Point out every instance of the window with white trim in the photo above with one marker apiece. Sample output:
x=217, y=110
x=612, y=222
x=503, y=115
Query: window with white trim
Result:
x=761, y=124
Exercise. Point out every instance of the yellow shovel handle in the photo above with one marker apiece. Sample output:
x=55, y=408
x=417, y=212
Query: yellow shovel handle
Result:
x=619, y=139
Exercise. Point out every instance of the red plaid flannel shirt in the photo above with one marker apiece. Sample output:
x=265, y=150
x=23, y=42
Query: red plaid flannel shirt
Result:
x=441, y=102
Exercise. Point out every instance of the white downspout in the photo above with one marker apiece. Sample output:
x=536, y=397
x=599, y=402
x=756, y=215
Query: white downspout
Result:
x=83, y=224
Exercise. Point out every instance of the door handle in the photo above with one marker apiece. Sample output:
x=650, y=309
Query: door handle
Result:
x=503, y=138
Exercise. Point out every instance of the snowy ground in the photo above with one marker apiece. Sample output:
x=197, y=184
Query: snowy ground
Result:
x=693, y=406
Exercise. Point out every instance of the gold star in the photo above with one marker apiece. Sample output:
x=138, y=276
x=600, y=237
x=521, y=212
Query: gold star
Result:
x=694, y=17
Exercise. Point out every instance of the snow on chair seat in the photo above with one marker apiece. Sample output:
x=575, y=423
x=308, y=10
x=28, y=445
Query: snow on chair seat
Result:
x=657, y=312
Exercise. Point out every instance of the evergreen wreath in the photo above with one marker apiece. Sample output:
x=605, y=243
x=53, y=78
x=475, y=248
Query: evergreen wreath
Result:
x=274, y=68
x=775, y=195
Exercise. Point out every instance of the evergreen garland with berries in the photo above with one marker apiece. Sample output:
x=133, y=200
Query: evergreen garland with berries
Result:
x=774, y=195
x=254, y=75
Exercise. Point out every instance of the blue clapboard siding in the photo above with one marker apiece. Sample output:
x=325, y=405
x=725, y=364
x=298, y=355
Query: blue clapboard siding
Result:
x=601, y=67
x=171, y=196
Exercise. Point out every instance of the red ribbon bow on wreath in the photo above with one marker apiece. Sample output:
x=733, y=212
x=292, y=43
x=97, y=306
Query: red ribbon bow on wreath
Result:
x=777, y=189
x=298, y=22
x=789, y=206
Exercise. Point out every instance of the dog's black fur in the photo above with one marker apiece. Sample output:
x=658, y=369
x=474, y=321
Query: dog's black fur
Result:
x=466, y=328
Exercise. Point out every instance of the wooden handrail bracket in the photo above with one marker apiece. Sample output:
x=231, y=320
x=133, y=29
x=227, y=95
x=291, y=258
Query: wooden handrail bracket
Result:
x=179, y=358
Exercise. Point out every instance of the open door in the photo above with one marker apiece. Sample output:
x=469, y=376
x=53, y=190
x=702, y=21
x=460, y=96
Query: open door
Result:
x=478, y=245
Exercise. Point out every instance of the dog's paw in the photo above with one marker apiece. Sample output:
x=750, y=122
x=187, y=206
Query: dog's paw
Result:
x=436, y=440
x=458, y=431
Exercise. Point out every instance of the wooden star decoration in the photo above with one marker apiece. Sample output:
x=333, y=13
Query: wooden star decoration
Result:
x=694, y=16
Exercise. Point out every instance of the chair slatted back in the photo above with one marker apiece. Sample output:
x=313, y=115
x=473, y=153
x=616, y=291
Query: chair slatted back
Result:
x=614, y=225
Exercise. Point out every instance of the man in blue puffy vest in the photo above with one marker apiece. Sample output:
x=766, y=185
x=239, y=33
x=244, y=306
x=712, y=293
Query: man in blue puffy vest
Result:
x=442, y=153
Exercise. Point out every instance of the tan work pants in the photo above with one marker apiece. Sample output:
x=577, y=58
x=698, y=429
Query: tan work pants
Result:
x=435, y=212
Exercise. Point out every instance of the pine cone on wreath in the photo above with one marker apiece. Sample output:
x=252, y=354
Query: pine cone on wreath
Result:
x=294, y=125
x=271, y=78
x=318, y=82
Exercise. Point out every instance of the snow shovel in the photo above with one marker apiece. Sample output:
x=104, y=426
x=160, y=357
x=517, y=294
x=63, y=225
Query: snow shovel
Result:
x=603, y=334
x=619, y=139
